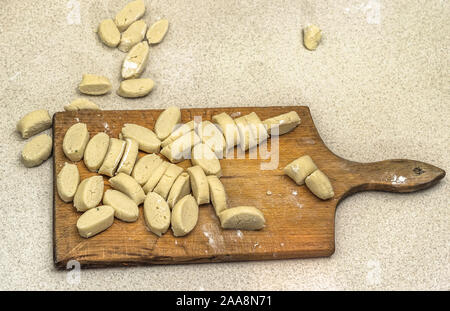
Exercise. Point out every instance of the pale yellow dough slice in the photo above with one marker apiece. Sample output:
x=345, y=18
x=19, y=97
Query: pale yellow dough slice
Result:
x=156, y=213
x=129, y=157
x=33, y=123
x=178, y=132
x=211, y=136
x=155, y=176
x=95, y=220
x=247, y=141
x=199, y=184
x=108, y=33
x=180, y=149
x=75, y=141
x=37, y=150
x=256, y=127
x=166, y=122
x=125, y=208
x=165, y=183
x=184, y=216
x=282, y=124
x=95, y=151
x=217, y=193
x=228, y=128
x=319, y=184
x=135, y=61
x=157, y=31
x=133, y=35
x=242, y=218
x=145, y=167
x=129, y=14
x=147, y=140
x=128, y=185
x=113, y=155
x=311, y=37
x=300, y=168
x=134, y=88
x=67, y=182
x=81, y=104
x=89, y=193
x=94, y=85
x=180, y=188
x=204, y=157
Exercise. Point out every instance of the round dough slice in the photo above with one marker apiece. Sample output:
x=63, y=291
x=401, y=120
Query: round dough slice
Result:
x=133, y=35
x=134, y=88
x=129, y=157
x=282, y=124
x=228, y=128
x=212, y=137
x=108, y=33
x=67, y=182
x=155, y=176
x=75, y=141
x=199, y=184
x=167, y=121
x=95, y=152
x=37, y=150
x=184, y=216
x=181, y=148
x=124, y=208
x=145, y=167
x=113, y=155
x=217, y=193
x=128, y=185
x=204, y=157
x=180, y=188
x=129, y=14
x=135, y=61
x=147, y=140
x=95, y=221
x=180, y=131
x=157, y=31
x=33, y=123
x=242, y=218
x=156, y=213
x=81, y=104
x=167, y=180
x=89, y=193
x=256, y=126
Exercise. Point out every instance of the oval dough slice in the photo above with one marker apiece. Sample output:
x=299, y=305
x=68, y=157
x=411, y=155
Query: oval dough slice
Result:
x=33, y=123
x=94, y=85
x=67, y=182
x=157, y=31
x=199, y=184
x=145, y=167
x=156, y=213
x=81, y=104
x=135, y=61
x=184, y=216
x=133, y=35
x=167, y=121
x=217, y=193
x=228, y=128
x=75, y=141
x=113, y=155
x=89, y=193
x=95, y=221
x=282, y=124
x=129, y=14
x=180, y=188
x=147, y=140
x=311, y=37
x=128, y=185
x=95, y=152
x=124, y=208
x=204, y=157
x=319, y=184
x=108, y=33
x=211, y=136
x=242, y=218
x=37, y=150
x=133, y=88
x=129, y=157
x=165, y=183
x=181, y=148
x=180, y=131
x=256, y=126
x=155, y=176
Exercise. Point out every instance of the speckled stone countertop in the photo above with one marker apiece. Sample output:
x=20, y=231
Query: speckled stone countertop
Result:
x=377, y=88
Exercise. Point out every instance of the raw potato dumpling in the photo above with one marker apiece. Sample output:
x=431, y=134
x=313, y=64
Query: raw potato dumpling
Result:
x=177, y=133
x=135, y=61
x=94, y=85
x=155, y=176
x=89, y=193
x=181, y=148
x=33, y=123
x=211, y=136
x=167, y=180
x=113, y=155
x=184, y=216
x=204, y=157
x=67, y=182
x=242, y=218
x=157, y=31
x=81, y=104
x=108, y=33
x=320, y=185
x=285, y=122
x=300, y=168
x=147, y=140
x=95, y=221
x=128, y=185
x=129, y=157
x=311, y=37
x=199, y=184
x=247, y=141
x=133, y=35
x=217, y=193
x=37, y=150
x=134, y=88
x=145, y=167
x=124, y=208
x=75, y=141
x=167, y=121
x=156, y=213
x=228, y=128
x=257, y=127
x=180, y=188
x=95, y=152
x=129, y=14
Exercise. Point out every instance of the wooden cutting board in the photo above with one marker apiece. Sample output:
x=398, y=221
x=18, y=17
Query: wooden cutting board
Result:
x=298, y=224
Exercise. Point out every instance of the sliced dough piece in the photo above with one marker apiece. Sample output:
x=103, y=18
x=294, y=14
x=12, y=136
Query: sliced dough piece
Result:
x=95, y=220
x=37, y=150
x=129, y=157
x=145, y=167
x=129, y=14
x=180, y=188
x=33, y=123
x=89, y=193
x=256, y=126
x=125, y=208
x=300, y=168
x=156, y=213
x=181, y=148
x=320, y=185
x=242, y=218
x=155, y=176
x=94, y=85
x=135, y=61
x=157, y=31
x=108, y=33
x=128, y=185
x=180, y=131
x=165, y=183
x=184, y=216
x=95, y=152
x=167, y=121
x=228, y=128
x=75, y=141
x=133, y=35
x=204, y=157
x=247, y=140
x=81, y=104
x=147, y=140
x=67, y=182
x=113, y=155
x=199, y=184
x=285, y=123
x=133, y=88
x=210, y=135
x=311, y=37
x=217, y=193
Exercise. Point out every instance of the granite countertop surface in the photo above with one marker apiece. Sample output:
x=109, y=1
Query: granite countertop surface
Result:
x=377, y=86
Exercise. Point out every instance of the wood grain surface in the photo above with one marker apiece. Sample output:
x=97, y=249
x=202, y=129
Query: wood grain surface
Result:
x=298, y=225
